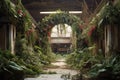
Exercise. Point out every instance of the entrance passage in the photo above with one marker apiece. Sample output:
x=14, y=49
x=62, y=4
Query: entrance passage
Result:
x=58, y=71
x=61, y=38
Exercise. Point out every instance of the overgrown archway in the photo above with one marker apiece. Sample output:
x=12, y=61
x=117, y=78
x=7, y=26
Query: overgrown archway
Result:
x=48, y=23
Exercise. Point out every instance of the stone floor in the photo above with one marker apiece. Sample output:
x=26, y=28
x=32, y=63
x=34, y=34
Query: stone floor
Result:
x=62, y=73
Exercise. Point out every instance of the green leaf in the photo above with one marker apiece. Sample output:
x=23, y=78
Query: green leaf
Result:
x=101, y=70
x=18, y=68
x=14, y=66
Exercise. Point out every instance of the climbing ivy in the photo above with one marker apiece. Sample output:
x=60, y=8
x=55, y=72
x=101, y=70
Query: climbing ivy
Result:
x=61, y=17
x=25, y=51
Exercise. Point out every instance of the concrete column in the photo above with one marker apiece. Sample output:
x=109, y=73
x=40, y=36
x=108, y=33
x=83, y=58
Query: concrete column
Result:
x=108, y=39
x=12, y=36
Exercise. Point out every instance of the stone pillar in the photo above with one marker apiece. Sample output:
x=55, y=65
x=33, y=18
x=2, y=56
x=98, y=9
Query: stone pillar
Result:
x=108, y=39
x=12, y=36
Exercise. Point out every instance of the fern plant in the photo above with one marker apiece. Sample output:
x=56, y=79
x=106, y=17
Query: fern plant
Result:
x=8, y=68
x=108, y=70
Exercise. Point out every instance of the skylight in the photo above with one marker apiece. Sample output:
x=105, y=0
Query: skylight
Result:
x=53, y=12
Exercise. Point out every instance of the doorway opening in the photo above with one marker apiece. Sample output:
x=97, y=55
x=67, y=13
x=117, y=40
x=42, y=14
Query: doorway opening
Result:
x=61, y=38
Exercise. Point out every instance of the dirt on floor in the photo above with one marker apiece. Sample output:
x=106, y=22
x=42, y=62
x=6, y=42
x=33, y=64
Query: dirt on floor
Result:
x=60, y=71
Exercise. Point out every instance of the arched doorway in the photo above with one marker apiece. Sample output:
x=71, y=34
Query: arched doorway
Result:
x=61, y=38
x=49, y=22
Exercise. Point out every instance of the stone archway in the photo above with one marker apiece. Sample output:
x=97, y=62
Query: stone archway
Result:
x=50, y=21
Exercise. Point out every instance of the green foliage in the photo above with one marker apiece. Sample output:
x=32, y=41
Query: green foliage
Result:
x=117, y=4
x=48, y=23
x=14, y=66
x=109, y=14
x=30, y=58
x=60, y=17
x=45, y=58
x=30, y=63
x=7, y=8
x=8, y=68
x=33, y=60
x=108, y=70
x=81, y=60
x=6, y=54
x=95, y=67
